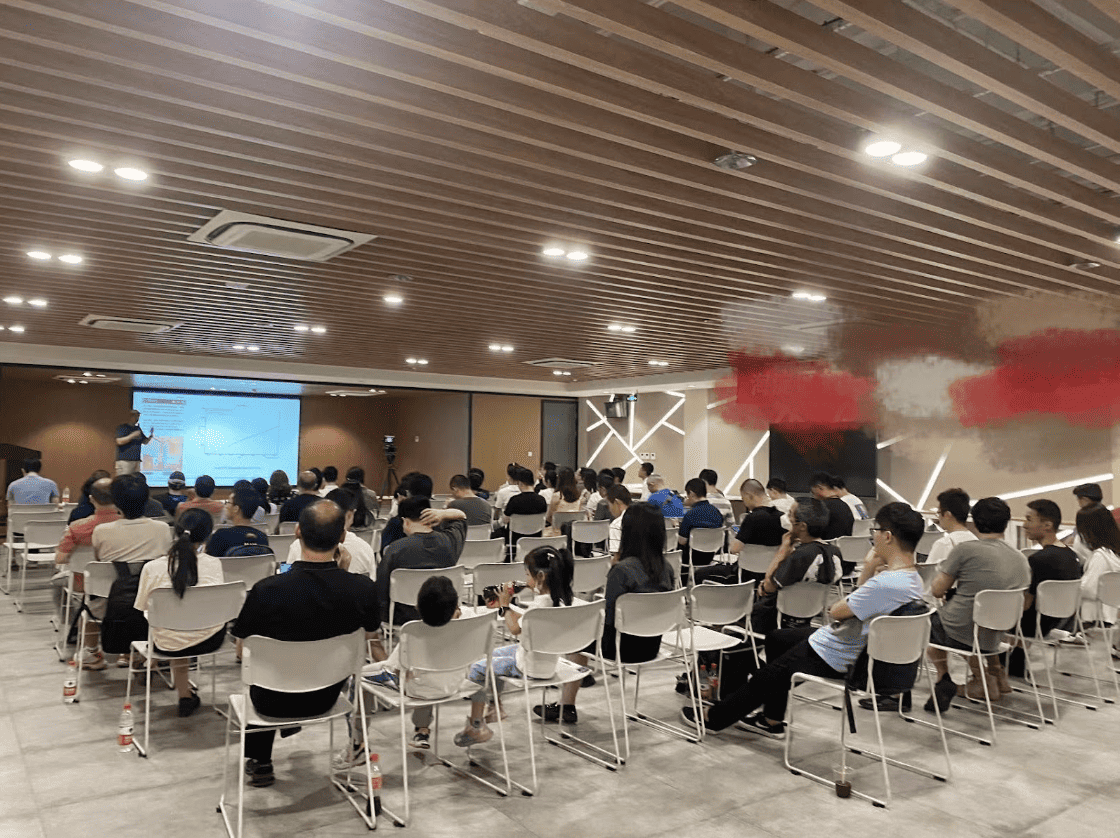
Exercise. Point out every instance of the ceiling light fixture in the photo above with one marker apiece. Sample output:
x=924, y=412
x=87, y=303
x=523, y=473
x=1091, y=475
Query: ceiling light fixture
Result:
x=554, y=251
x=793, y=350
x=239, y=346
x=319, y=330
x=909, y=158
x=393, y=299
x=735, y=161
x=41, y=255
x=577, y=255
x=70, y=259
x=253, y=348
x=616, y=327
x=14, y=301
x=38, y=302
x=416, y=362
x=128, y=173
x=87, y=374
x=659, y=363
x=302, y=328
x=16, y=329
x=560, y=372
x=882, y=147
x=495, y=347
x=1085, y=266
x=86, y=165
x=809, y=296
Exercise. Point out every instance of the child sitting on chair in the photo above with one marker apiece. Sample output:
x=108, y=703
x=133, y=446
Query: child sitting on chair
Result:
x=548, y=572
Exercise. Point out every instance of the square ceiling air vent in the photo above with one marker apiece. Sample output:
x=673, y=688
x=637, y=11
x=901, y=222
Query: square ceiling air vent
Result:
x=560, y=364
x=276, y=237
x=128, y=324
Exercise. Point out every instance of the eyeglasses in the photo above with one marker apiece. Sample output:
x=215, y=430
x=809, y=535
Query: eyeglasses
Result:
x=874, y=530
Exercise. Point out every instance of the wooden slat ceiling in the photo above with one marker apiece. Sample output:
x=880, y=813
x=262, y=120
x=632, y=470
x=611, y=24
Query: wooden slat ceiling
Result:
x=469, y=134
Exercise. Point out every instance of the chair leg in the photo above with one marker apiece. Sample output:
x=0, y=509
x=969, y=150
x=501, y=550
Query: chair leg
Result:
x=147, y=693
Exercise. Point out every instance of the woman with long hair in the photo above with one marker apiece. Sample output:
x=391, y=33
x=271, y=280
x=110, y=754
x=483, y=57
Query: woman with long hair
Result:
x=1097, y=529
x=567, y=497
x=279, y=487
x=183, y=567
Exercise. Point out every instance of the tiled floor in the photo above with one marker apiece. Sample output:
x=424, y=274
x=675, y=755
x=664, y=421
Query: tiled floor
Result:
x=61, y=775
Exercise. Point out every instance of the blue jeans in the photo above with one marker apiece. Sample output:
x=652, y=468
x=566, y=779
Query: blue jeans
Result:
x=504, y=663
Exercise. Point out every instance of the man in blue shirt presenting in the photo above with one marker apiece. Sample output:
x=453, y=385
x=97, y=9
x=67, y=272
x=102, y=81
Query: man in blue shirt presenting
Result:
x=129, y=439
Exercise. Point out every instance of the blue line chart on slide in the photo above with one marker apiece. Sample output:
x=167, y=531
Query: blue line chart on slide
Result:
x=240, y=431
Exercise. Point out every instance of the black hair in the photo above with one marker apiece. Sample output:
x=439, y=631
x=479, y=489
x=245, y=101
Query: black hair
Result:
x=621, y=494
x=437, y=601
x=838, y=482
x=1048, y=511
x=412, y=507
x=261, y=486
x=548, y=465
x=130, y=494
x=558, y=568
x=590, y=479
x=523, y=475
x=355, y=474
x=318, y=476
x=955, y=502
x=31, y=464
x=550, y=478
x=619, y=473
x=821, y=479
x=991, y=515
x=1098, y=529
x=645, y=469
x=247, y=500
x=204, y=486
x=322, y=525
x=709, y=476
x=460, y=481
x=242, y=484
x=279, y=487
x=643, y=538
x=476, y=476
x=566, y=485
x=777, y=484
x=330, y=474
x=697, y=486
x=420, y=485
x=193, y=527
x=351, y=501
x=605, y=480
x=813, y=513
x=903, y=522
x=1090, y=491
x=511, y=471
x=93, y=478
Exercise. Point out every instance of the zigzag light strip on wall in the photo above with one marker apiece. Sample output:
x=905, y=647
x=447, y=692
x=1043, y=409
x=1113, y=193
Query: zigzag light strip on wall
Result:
x=933, y=476
x=611, y=431
x=889, y=442
x=662, y=421
x=891, y=491
x=1068, y=484
x=748, y=463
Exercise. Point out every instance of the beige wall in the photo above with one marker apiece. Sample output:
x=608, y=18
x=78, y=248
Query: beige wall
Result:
x=505, y=429
x=432, y=431
x=343, y=433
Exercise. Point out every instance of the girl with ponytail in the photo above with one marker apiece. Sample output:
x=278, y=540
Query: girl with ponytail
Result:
x=548, y=574
x=184, y=567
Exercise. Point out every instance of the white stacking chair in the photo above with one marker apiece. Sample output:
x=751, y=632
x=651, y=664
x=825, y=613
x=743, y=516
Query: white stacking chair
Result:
x=1061, y=599
x=479, y=552
x=755, y=558
x=99, y=579
x=271, y=522
x=589, y=575
x=201, y=606
x=891, y=640
x=80, y=557
x=559, y=519
x=294, y=667
x=432, y=650
x=926, y=542
x=248, y=569
x=803, y=601
x=527, y=543
x=861, y=528
x=652, y=615
x=928, y=572
x=497, y=573
x=38, y=535
x=405, y=583
x=281, y=545
x=565, y=631
x=675, y=559
x=20, y=519
x=286, y=527
x=853, y=550
x=479, y=532
x=591, y=533
x=522, y=525
x=706, y=540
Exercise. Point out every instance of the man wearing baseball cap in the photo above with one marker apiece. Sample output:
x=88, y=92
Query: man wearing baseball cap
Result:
x=176, y=492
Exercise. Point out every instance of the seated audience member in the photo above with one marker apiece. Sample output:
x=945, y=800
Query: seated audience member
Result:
x=776, y=491
x=840, y=489
x=133, y=537
x=175, y=495
x=413, y=485
x=291, y=509
x=762, y=522
x=318, y=478
x=1098, y=532
x=589, y=481
x=261, y=487
x=547, y=485
x=545, y=468
x=242, y=506
x=257, y=518
x=888, y=581
x=988, y=563
x=802, y=557
x=356, y=482
x=330, y=481
x=619, y=500
x=477, y=510
x=525, y=502
x=355, y=553
x=667, y=501
x=717, y=498
x=597, y=503
x=641, y=570
x=645, y=471
x=567, y=497
x=153, y=508
x=952, y=516
x=433, y=538
x=1053, y=560
x=279, y=489
x=477, y=476
x=700, y=515
x=1088, y=494
x=840, y=518
x=280, y=607
x=548, y=574
x=619, y=475
x=183, y=567
x=85, y=506
x=510, y=488
x=203, y=498
x=32, y=488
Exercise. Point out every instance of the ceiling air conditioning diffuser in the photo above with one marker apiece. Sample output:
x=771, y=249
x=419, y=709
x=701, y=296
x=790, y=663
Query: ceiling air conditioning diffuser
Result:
x=128, y=324
x=276, y=237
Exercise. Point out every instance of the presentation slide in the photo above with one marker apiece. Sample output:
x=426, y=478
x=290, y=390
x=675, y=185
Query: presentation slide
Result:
x=226, y=436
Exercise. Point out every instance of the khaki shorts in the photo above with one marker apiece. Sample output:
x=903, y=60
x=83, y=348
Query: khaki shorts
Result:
x=127, y=466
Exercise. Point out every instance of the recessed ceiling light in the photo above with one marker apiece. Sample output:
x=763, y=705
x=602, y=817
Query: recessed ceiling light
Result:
x=70, y=259
x=393, y=299
x=319, y=330
x=909, y=158
x=629, y=329
x=38, y=302
x=239, y=346
x=560, y=372
x=88, y=374
x=554, y=251
x=17, y=329
x=86, y=165
x=41, y=255
x=2, y=328
x=129, y=173
x=879, y=147
x=577, y=255
x=495, y=347
x=507, y=348
x=237, y=286
x=253, y=348
x=422, y=362
x=659, y=363
x=301, y=328
x=71, y=381
x=793, y=350
x=809, y=296
x=101, y=375
x=83, y=382
x=14, y=301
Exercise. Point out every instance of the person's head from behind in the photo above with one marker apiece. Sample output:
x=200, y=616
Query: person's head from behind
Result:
x=753, y=494
x=1043, y=519
x=1088, y=494
x=279, y=484
x=655, y=483
x=1098, y=529
x=330, y=474
x=549, y=570
x=839, y=484
x=643, y=538
x=411, y=509
x=243, y=504
x=695, y=490
x=605, y=480
x=511, y=472
x=318, y=477
x=645, y=469
x=952, y=507
x=808, y=519
x=420, y=486
x=566, y=485
x=191, y=531
x=820, y=484
x=307, y=482
x=260, y=486
x=32, y=465
x=991, y=515
x=590, y=479
x=776, y=488
x=476, y=476
x=898, y=527
x=101, y=493
x=130, y=495
x=523, y=477
x=437, y=601
x=709, y=477
x=347, y=502
x=460, y=486
x=356, y=475
x=93, y=478
x=204, y=486
x=619, y=474
x=618, y=499
x=321, y=527
x=550, y=478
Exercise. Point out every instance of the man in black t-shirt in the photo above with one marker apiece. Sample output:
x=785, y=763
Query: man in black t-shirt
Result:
x=840, y=517
x=525, y=502
x=242, y=506
x=1053, y=561
x=762, y=523
x=291, y=509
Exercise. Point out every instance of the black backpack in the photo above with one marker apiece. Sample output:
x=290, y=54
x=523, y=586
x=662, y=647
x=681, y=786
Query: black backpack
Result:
x=248, y=550
x=123, y=623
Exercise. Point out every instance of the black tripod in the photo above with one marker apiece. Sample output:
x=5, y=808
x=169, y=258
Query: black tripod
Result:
x=391, y=482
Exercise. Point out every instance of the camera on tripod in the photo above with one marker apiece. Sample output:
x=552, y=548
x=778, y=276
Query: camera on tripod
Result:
x=390, y=445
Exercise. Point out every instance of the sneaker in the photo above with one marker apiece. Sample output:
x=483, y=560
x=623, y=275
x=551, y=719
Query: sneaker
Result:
x=758, y=724
x=475, y=733
x=260, y=773
x=944, y=691
x=421, y=738
x=385, y=678
x=189, y=705
x=348, y=757
x=588, y=681
x=492, y=715
x=551, y=713
x=92, y=659
x=887, y=703
x=689, y=718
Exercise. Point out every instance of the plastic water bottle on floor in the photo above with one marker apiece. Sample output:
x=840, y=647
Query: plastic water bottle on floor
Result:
x=124, y=730
x=704, y=682
x=375, y=782
x=70, y=683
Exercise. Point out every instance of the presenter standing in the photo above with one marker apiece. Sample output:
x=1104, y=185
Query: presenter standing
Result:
x=129, y=439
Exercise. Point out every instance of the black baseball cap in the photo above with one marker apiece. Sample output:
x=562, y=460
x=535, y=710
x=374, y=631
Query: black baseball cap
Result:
x=177, y=480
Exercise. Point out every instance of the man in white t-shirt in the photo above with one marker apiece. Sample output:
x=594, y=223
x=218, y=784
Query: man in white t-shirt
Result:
x=952, y=515
x=645, y=471
x=859, y=511
x=362, y=559
x=776, y=490
x=717, y=498
x=132, y=538
x=508, y=489
x=618, y=499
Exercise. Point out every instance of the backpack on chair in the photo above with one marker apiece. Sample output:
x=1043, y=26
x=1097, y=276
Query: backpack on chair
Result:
x=123, y=623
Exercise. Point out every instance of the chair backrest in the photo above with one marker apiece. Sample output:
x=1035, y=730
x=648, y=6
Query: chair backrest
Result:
x=861, y=528
x=562, y=631
x=1108, y=588
x=437, y=502
x=37, y=531
x=280, y=545
x=479, y=552
x=201, y=606
x=756, y=558
x=100, y=577
x=898, y=640
x=479, y=532
x=303, y=666
x=497, y=573
x=590, y=574
x=721, y=605
x=675, y=558
x=1058, y=598
x=803, y=600
x=998, y=610
x=19, y=515
x=650, y=615
x=405, y=582
x=530, y=542
x=526, y=524
x=559, y=519
x=671, y=525
x=926, y=542
x=707, y=539
x=80, y=557
x=853, y=548
x=271, y=522
x=248, y=570
x=286, y=527
x=927, y=572
x=453, y=646
x=590, y=532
